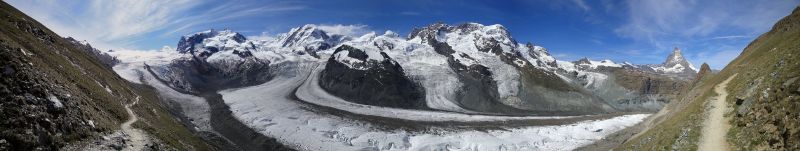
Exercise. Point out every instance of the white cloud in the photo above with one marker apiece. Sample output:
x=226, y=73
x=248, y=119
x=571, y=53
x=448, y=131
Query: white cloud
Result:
x=348, y=30
x=649, y=19
x=127, y=18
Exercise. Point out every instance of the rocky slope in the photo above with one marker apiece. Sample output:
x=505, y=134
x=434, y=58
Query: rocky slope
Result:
x=55, y=92
x=763, y=94
x=107, y=60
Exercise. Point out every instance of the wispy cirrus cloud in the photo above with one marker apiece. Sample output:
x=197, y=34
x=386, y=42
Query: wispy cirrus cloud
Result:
x=716, y=59
x=730, y=37
x=116, y=24
x=669, y=19
x=582, y=5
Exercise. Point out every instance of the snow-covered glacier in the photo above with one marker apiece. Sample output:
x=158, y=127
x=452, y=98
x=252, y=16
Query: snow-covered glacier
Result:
x=271, y=109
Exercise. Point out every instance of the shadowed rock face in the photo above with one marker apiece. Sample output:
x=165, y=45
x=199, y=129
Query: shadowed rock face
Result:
x=382, y=83
x=704, y=71
x=199, y=76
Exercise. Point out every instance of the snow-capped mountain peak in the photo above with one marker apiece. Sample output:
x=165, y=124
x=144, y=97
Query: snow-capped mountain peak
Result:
x=537, y=55
x=440, y=31
x=311, y=37
x=675, y=58
x=204, y=44
x=676, y=63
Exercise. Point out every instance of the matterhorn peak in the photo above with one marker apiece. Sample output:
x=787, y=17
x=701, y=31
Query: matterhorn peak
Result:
x=675, y=58
x=676, y=63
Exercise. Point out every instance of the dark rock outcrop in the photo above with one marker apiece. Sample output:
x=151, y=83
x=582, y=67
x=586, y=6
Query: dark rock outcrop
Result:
x=705, y=71
x=371, y=82
x=198, y=76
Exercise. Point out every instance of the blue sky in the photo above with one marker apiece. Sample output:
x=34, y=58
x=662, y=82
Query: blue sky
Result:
x=642, y=32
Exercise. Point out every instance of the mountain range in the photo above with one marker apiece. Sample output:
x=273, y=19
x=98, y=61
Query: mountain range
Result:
x=468, y=68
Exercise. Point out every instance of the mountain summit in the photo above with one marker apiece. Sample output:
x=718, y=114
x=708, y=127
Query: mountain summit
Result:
x=676, y=58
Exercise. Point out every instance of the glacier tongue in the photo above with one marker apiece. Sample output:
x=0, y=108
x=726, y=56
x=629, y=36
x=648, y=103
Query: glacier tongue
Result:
x=304, y=129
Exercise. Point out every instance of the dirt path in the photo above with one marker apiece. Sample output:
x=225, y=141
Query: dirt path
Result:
x=137, y=138
x=716, y=126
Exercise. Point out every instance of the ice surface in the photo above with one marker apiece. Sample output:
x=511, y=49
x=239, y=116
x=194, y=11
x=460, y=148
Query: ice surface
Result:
x=268, y=109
